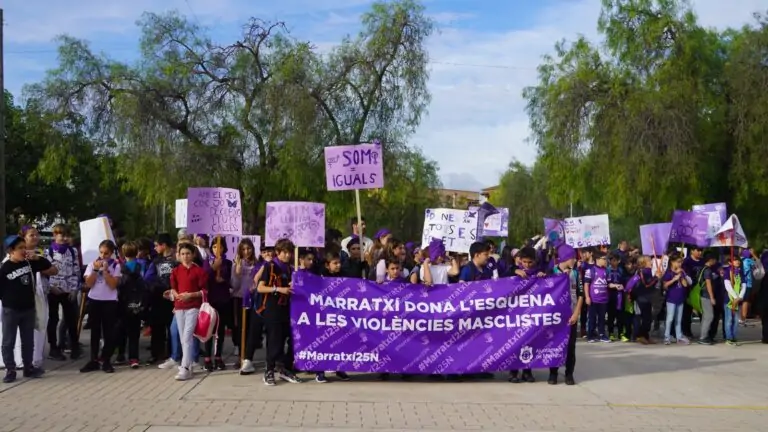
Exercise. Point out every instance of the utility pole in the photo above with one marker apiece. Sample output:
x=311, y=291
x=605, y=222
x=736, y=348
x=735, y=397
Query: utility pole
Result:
x=3, y=228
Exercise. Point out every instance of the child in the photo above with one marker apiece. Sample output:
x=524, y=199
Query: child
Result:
x=615, y=288
x=17, y=292
x=627, y=309
x=433, y=271
x=242, y=286
x=394, y=271
x=160, y=309
x=476, y=269
x=585, y=264
x=63, y=286
x=132, y=292
x=711, y=281
x=355, y=266
x=675, y=283
x=101, y=278
x=747, y=266
x=332, y=269
x=188, y=284
x=734, y=295
x=565, y=263
x=219, y=285
x=307, y=259
x=596, y=295
x=642, y=295
x=528, y=268
x=255, y=333
x=275, y=284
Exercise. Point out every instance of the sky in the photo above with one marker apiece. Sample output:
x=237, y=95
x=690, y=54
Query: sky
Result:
x=482, y=56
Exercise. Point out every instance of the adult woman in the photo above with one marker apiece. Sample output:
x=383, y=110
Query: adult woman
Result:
x=395, y=249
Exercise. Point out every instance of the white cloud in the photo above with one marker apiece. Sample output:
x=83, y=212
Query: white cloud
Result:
x=477, y=122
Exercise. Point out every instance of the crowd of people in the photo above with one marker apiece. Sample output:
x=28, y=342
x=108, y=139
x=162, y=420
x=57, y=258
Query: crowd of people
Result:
x=160, y=284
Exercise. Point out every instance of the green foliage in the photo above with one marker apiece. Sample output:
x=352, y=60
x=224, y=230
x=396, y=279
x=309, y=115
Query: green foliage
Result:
x=665, y=114
x=254, y=114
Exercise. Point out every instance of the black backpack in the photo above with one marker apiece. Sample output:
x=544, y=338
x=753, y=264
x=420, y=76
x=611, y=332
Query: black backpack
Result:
x=133, y=291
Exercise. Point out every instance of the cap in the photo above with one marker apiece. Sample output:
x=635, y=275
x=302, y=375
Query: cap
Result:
x=382, y=233
x=565, y=252
x=11, y=241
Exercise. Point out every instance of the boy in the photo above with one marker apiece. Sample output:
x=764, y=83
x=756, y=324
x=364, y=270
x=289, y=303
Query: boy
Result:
x=615, y=290
x=596, y=294
x=693, y=265
x=477, y=267
x=355, y=266
x=527, y=256
x=394, y=271
x=711, y=280
x=63, y=287
x=275, y=285
x=307, y=259
x=332, y=269
x=160, y=309
x=565, y=263
x=586, y=263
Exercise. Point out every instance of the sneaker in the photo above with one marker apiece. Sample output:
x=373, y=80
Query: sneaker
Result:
x=705, y=342
x=168, y=364
x=56, y=354
x=33, y=372
x=342, y=376
x=91, y=366
x=605, y=339
x=10, y=376
x=569, y=380
x=287, y=375
x=269, y=378
x=667, y=341
x=320, y=377
x=591, y=340
x=528, y=377
x=514, y=378
x=75, y=354
x=107, y=367
x=183, y=374
x=208, y=365
x=624, y=339
x=683, y=341
x=614, y=338
x=134, y=364
x=247, y=368
x=218, y=364
x=552, y=379
x=643, y=341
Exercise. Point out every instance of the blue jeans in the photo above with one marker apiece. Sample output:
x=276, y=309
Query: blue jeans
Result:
x=596, y=320
x=731, y=322
x=176, y=344
x=674, y=314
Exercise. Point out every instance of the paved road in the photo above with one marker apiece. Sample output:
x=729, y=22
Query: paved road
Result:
x=621, y=387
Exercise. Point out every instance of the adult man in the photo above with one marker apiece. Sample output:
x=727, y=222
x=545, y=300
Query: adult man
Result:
x=367, y=242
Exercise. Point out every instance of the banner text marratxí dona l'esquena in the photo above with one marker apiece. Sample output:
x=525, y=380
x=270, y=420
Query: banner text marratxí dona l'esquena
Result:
x=355, y=325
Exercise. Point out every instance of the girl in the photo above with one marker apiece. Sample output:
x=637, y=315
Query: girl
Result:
x=394, y=251
x=379, y=244
x=675, y=284
x=735, y=289
x=242, y=285
x=188, y=284
x=642, y=295
x=437, y=273
x=255, y=331
x=101, y=279
x=219, y=277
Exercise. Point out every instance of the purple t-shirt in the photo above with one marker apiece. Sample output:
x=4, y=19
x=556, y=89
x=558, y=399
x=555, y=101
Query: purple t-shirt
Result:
x=676, y=291
x=597, y=278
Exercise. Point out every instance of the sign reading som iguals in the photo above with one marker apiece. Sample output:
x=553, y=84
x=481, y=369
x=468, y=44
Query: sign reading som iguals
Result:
x=356, y=325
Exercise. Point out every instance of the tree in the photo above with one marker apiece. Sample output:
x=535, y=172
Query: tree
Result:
x=659, y=118
x=254, y=114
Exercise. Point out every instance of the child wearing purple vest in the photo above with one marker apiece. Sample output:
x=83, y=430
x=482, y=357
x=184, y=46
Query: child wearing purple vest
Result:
x=596, y=295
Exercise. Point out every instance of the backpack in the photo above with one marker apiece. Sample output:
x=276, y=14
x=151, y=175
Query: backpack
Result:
x=132, y=291
x=758, y=271
x=694, y=297
x=207, y=322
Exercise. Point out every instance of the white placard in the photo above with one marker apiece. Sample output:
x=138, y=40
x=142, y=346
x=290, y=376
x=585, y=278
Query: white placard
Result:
x=730, y=234
x=457, y=228
x=92, y=233
x=181, y=213
x=587, y=231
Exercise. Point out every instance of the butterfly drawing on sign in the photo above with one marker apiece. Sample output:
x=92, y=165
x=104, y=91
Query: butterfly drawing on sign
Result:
x=472, y=214
x=232, y=203
x=319, y=211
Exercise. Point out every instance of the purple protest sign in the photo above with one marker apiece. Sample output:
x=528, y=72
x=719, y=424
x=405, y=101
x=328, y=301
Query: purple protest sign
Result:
x=301, y=222
x=353, y=167
x=689, y=228
x=214, y=211
x=717, y=214
x=655, y=238
x=495, y=224
x=233, y=242
x=554, y=230
x=354, y=325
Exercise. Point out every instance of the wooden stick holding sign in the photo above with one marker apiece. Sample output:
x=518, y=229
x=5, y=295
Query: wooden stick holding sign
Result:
x=355, y=167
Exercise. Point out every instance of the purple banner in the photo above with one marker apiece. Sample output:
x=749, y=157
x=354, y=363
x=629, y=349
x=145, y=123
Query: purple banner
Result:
x=354, y=325
x=214, y=211
x=301, y=222
x=353, y=167
x=554, y=231
x=655, y=238
x=690, y=228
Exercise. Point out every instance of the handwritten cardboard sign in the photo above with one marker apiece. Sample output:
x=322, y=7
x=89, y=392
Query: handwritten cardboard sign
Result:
x=181, y=213
x=495, y=225
x=690, y=228
x=353, y=167
x=301, y=222
x=587, y=231
x=457, y=228
x=214, y=210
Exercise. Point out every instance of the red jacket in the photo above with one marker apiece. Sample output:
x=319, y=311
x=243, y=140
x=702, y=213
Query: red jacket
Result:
x=188, y=280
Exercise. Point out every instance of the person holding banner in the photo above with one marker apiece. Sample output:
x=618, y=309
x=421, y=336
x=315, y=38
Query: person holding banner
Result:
x=355, y=266
x=565, y=263
x=529, y=268
x=275, y=285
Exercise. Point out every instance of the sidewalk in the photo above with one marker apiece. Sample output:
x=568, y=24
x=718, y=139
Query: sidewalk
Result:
x=620, y=387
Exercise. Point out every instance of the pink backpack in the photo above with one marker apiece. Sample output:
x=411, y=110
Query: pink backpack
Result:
x=207, y=321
